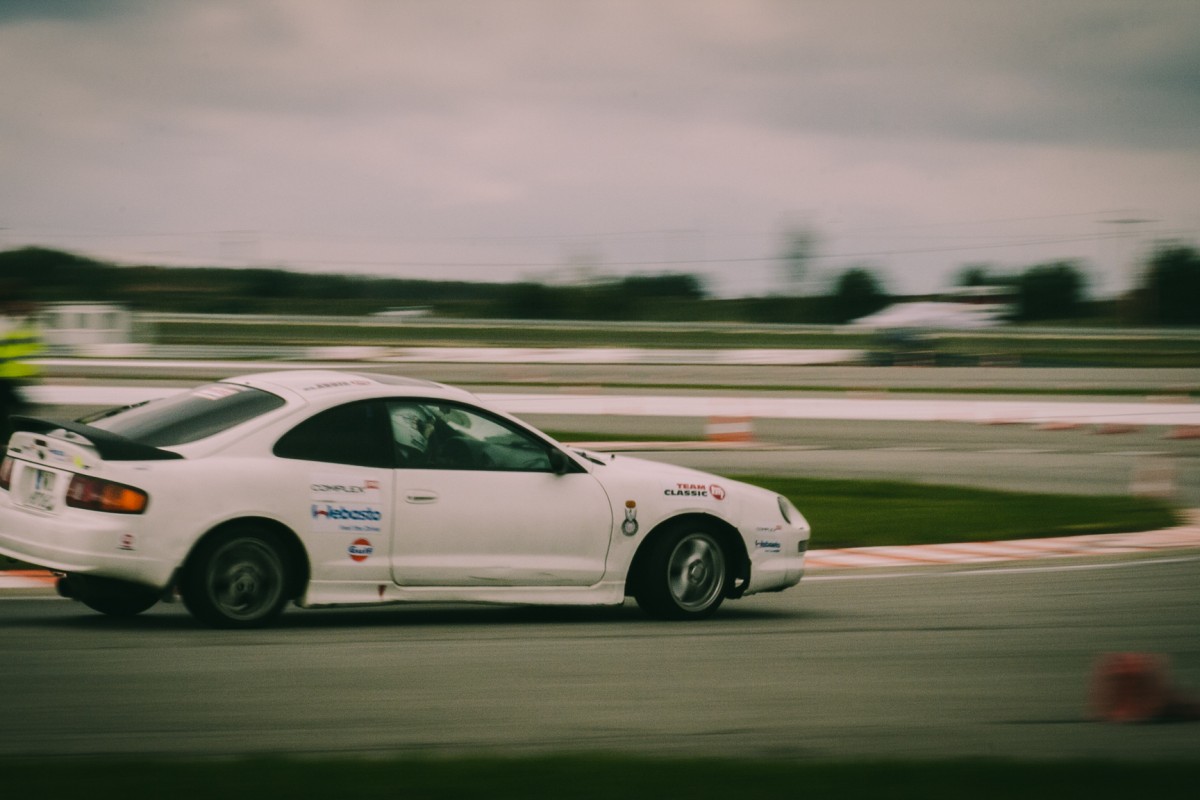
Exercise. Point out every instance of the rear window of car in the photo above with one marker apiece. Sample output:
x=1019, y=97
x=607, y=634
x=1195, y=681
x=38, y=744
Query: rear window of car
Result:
x=188, y=416
x=355, y=433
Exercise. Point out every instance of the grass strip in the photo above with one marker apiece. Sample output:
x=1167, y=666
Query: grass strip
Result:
x=571, y=437
x=1175, y=393
x=586, y=777
x=858, y=513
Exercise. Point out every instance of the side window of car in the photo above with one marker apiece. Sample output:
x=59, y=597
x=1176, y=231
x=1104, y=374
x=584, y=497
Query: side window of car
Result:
x=355, y=433
x=433, y=435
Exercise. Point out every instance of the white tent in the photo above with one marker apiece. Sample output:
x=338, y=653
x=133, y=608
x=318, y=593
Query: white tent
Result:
x=931, y=314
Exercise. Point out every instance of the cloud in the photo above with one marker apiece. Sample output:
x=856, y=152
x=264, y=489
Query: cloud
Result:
x=520, y=132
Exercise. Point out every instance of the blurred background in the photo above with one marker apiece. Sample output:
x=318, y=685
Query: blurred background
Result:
x=931, y=269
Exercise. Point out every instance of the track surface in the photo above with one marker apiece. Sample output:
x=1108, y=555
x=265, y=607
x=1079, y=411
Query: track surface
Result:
x=987, y=661
x=919, y=663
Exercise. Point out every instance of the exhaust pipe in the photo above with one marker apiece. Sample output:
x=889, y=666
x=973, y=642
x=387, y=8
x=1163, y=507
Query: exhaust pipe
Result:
x=64, y=588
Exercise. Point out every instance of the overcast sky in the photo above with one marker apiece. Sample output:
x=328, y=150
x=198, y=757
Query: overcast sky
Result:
x=510, y=140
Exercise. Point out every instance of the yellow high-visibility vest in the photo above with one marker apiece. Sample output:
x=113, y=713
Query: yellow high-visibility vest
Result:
x=17, y=346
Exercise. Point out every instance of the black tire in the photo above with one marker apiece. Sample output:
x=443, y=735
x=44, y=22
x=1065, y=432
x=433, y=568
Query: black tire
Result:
x=238, y=578
x=110, y=596
x=685, y=574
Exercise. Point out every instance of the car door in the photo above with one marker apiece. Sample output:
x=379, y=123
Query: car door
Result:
x=478, y=502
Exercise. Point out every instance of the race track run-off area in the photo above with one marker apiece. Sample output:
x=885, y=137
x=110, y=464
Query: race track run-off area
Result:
x=971, y=650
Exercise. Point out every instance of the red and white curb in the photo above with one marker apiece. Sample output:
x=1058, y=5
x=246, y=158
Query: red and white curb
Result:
x=1019, y=550
x=26, y=579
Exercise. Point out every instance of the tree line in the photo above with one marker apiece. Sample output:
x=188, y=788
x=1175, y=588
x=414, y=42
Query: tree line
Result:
x=1167, y=294
x=1167, y=290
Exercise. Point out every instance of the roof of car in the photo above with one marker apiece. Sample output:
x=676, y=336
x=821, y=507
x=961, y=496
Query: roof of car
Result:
x=311, y=382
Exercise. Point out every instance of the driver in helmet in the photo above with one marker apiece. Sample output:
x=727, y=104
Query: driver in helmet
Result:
x=412, y=425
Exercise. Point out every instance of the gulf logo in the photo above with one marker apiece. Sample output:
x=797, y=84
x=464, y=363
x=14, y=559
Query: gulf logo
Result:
x=360, y=550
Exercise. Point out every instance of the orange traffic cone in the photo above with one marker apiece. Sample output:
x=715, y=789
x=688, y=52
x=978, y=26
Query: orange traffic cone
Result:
x=1134, y=687
x=729, y=429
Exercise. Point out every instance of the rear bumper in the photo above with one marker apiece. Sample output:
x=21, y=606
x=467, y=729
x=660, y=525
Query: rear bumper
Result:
x=88, y=543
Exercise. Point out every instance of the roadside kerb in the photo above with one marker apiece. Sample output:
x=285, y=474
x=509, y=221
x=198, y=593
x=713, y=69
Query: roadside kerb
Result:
x=1183, y=536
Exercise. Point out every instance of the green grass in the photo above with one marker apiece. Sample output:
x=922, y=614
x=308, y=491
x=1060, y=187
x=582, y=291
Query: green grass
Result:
x=1174, y=392
x=570, y=437
x=588, y=777
x=856, y=513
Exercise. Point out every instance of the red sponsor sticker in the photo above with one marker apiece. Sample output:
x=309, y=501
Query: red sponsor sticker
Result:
x=361, y=550
x=717, y=492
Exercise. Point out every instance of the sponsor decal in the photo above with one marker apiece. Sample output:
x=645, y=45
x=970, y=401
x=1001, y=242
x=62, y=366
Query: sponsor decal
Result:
x=360, y=550
x=687, y=490
x=216, y=392
x=342, y=502
x=346, y=518
x=128, y=542
x=343, y=512
x=336, y=384
x=630, y=526
x=712, y=491
x=770, y=545
x=338, y=488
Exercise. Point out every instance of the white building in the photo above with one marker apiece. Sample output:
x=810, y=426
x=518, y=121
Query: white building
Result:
x=82, y=327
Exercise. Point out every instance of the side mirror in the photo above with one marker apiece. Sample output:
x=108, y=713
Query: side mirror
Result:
x=559, y=462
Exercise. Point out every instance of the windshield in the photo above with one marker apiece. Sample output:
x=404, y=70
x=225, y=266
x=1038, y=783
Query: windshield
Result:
x=188, y=416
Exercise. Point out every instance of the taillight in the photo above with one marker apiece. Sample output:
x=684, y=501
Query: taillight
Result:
x=95, y=494
x=6, y=474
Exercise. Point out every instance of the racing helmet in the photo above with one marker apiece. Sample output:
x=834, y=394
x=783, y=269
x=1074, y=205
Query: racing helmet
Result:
x=411, y=426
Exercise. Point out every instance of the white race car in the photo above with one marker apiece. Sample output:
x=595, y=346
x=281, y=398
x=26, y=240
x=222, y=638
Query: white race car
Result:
x=331, y=488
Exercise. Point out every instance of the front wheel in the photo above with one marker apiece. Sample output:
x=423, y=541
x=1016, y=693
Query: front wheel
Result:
x=237, y=579
x=685, y=575
x=108, y=595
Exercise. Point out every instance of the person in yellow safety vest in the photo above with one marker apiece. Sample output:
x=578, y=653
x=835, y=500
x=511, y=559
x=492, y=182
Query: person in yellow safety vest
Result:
x=19, y=344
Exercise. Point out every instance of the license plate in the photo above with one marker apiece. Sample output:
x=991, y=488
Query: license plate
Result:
x=41, y=490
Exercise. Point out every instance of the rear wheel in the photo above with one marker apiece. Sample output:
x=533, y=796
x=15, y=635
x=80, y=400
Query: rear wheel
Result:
x=238, y=578
x=110, y=596
x=685, y=575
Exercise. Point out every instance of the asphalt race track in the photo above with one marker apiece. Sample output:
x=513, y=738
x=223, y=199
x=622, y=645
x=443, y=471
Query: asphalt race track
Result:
x=989, y=661
x=929, y=662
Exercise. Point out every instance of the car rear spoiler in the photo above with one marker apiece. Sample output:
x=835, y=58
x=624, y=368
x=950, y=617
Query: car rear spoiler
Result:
x=110, y=446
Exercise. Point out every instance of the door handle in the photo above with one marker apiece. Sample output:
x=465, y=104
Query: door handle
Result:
x=421, y=496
